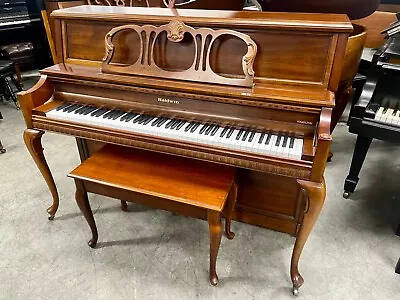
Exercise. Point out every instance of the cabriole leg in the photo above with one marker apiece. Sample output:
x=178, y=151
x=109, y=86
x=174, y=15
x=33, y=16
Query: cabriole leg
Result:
x=82, y=200
x=33, y=142
x=315, y=197
x=229, y=211
x=215, y=225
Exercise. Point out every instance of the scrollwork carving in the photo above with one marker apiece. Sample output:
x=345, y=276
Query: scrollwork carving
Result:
x=175, y=31
x=200, y=70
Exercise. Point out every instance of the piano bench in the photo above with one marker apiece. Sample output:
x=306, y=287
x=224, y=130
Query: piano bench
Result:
x=171, y=183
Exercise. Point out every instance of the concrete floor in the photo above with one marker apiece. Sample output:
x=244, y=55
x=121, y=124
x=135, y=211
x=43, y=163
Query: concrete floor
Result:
x=150, y=254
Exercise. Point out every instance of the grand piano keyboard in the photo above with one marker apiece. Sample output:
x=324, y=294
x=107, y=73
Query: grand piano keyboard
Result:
x=388, y=115
x=244, y=139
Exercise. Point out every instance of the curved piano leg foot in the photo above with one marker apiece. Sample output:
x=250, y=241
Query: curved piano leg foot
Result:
x=229, y=211
x=33, y=142
x=83, y=202
x=215, y=225
x=124, y=206
x=315, y=197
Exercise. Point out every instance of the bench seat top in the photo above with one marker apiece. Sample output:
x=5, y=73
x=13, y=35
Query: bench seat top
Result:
x=184, y=180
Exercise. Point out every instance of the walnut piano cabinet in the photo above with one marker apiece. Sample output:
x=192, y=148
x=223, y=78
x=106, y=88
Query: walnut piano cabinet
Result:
x=275, y=73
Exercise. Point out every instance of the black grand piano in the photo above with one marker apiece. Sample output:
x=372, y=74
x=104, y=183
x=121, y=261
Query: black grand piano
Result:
x=376, y=115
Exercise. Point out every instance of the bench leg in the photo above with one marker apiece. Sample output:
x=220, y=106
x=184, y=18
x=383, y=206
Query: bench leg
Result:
x=82, y=200
x=215, y=225
x=124, y=205
x=229, y=211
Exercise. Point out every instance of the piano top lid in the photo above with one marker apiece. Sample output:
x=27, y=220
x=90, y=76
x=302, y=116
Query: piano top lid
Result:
x=241, y=19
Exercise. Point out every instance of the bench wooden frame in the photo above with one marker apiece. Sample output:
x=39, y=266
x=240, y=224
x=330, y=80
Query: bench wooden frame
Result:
x=89, y=177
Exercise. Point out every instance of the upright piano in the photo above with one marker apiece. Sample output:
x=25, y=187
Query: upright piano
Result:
x=253, y=90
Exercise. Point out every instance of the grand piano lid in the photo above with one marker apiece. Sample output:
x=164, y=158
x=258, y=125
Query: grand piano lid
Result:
x=238, y=19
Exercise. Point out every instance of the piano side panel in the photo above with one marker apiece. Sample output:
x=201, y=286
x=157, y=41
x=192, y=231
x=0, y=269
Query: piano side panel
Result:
x=283, y=56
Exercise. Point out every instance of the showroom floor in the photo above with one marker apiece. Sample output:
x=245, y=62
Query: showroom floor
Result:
x=150, y=254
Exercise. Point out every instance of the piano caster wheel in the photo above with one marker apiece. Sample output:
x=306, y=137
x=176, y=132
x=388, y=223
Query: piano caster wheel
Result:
x=92, y=243
x=346, y=195
x=295, y=291
x=3, y=151
x=51, y=217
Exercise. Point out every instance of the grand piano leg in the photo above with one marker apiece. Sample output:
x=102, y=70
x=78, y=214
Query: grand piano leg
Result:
x=33, y=142
x=359, y=154
x=315, y=197
x=82, y=200
x=215, y=225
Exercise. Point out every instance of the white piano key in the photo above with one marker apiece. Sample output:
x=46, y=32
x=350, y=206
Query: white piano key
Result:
x=180, y=134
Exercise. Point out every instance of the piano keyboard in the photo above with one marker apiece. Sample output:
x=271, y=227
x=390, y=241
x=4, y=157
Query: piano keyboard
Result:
x=242, y=139
x=388, y=115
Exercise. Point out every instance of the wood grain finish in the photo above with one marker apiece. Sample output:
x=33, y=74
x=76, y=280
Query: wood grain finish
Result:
x=174, y=178
x=186, y=183
x=297, y=71
x=32, y=139
x=315, y=196
x=307, y=45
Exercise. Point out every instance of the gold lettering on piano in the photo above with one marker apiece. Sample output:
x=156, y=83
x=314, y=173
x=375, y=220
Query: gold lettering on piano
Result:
x=166, y=100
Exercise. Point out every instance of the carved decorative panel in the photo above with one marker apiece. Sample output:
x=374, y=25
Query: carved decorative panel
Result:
x=199, y=70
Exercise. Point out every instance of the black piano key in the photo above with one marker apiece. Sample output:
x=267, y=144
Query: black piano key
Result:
x=278, y=141
x=246, y=134
x=88, y=111
x=118, y=114
x=291, y=144
x=168, y=125
x=285, y=139
x=72, y=108
x=107, y=114
x=123, y=118
x=203, y=128
x=142, y=119
x=180, y=124
x=208, y=130
x=130, y=117
x=162, y=122
x=261, y=137
x=148, y=120
x=80, y=109
x=251, y=136
x=62, y=106
x=189, y=126
x=385, y=110
x=138, y=119
x=83, y=110
x=239, y=134
x=214, y=131
x=268, y=139
x=66, y=109
x=194, y=127
x=175, y=123
x=224, y=131
x=99, y=112
x=230, y=132
x=156, y=121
